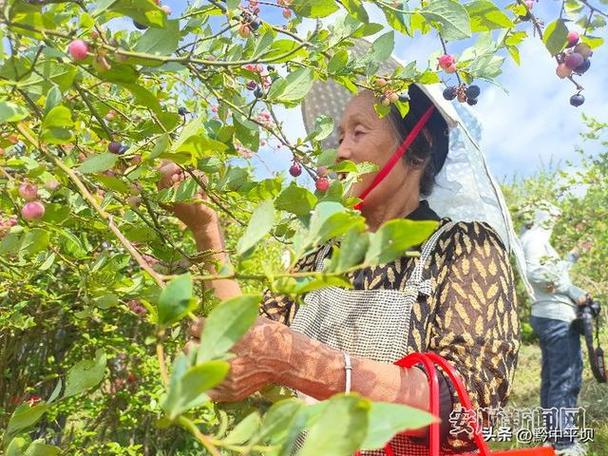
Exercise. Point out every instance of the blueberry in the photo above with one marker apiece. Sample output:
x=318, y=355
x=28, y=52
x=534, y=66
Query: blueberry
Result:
x=258, y=93
x=473, y=91
x=114, y=147
x=123, y=149
x=449, y=93
x=577, y=100
x=139, y=26
x=255, y=24
x=403, y=97
x=471, y=101
x=270, y=68
x=583, y=67
x=182, y=111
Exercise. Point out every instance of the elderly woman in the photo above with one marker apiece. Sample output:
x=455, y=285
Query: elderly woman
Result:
x=464, y=310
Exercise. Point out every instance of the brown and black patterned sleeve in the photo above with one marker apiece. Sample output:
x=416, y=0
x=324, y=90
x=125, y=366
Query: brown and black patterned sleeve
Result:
x=475, y=327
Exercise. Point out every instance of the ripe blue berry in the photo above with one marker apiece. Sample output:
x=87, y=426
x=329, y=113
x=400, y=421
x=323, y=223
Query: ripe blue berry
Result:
x=577, y=100
x=473, y=91
x=182, y=111
x=583, y=67
x=139, y=26
x=471, y=101
x=114, y=147
x=258, y=93
x=450, y=93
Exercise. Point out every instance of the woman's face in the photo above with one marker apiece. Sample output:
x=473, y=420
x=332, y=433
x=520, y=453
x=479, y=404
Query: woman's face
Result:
x=364, y=137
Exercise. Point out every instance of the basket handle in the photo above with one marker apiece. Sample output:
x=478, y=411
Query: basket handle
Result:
x=428, y=360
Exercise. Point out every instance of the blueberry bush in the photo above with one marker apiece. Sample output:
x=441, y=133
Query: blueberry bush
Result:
x=98, y=280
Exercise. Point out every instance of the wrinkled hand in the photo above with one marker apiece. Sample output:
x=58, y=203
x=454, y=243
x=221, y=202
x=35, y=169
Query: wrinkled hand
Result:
x=195, y=216
x=258, y=361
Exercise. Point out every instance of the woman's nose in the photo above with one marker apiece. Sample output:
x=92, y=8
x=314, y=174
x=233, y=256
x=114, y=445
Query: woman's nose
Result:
x=344, y=150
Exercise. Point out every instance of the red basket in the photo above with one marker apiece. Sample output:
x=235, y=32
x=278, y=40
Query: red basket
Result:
x=428, y=361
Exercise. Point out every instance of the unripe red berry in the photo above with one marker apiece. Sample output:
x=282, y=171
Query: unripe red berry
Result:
x=296, y=169
x=286, y=13
x=166, y=9
x=446, y=60
x=583, y=49
x=32, y=210
x=78, y=49
x=322, y=184
x=451, y=68
x=322, y=171
x=27, y=191
x=563, y=71
x=381, y=82
x=572, y=38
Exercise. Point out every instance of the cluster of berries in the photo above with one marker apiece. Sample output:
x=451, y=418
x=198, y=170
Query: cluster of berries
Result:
x=464, y=93
x=575, y=59
x=33, y=208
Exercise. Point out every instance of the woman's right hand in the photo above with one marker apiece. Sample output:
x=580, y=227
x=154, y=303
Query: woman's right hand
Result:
x=198, y=217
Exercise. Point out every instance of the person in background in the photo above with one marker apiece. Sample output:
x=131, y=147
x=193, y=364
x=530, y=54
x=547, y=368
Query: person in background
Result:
x=554, y=308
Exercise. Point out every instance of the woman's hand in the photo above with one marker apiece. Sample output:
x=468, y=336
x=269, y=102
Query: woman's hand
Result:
x=258, y=361
x=196, y=216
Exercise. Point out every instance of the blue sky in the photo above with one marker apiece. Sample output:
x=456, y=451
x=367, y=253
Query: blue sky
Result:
x=525, y=128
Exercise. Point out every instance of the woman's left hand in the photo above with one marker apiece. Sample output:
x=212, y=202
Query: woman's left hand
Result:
x=258, y=361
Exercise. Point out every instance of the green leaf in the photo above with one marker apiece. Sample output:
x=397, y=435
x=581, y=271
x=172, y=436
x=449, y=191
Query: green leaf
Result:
x=98, y=163
x=162, y=144
x=259, y=226
x=226, y=324
x=351, y=251
x=278, y=419
x=25, y=416
x=176, y=300
x=485, y=16
x=39, y=448
x=85, y=375
x=144, y=97
x=296, y=200
x=382, y=48
x=592, y=41
x=244, y=430
x=35, y=241
x=387, y=419
x=57, y=125
x=315, y=8
x=555, y=36
x=160, y=41
x=396, y=20
x=15, y=447
x=338, y=61
x=246, y=132
x=186, y=386
x=293, y=88
x=287, y=48
x=328, y=439
x=324, y=126
x=145, y=12
x=58, y=117
x=106, y=301
x=11, y=112
x=356, y=9
x=451, y=16
x=53, y=98
x=395, y=237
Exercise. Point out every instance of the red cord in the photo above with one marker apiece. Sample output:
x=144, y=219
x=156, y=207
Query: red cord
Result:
x=400, y=152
